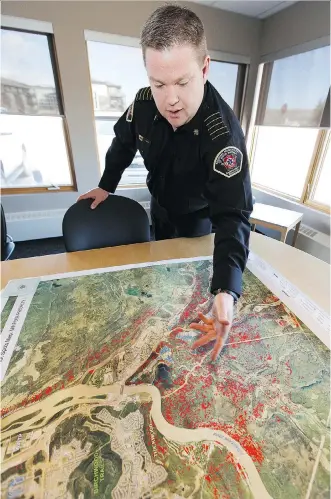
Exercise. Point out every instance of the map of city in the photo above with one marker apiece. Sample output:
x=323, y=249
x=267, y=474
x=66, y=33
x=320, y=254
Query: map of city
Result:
x=104, y=396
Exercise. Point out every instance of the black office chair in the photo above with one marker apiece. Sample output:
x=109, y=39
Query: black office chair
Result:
x=7, y=243
x=115, y=222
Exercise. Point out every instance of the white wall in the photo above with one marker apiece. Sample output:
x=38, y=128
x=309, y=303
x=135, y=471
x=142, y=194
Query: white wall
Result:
x=226, y=32
x=301, y=23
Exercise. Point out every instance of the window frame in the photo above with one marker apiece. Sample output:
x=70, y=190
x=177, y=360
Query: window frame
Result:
x=241, y=84
x=45, y=29
x=243, y=63
x=240, y=92
x=267, y=69
x=323, y=138
x=323, y=142
x=313, y=172
x=215, y=55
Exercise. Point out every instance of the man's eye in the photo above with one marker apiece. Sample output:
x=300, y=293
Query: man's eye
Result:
x=183, y=84
x=160, y=85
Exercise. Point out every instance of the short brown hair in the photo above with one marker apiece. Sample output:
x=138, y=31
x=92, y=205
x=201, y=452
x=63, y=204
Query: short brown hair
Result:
x=172, y=25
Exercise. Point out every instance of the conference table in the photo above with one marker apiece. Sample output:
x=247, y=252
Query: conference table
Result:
x=309, y=274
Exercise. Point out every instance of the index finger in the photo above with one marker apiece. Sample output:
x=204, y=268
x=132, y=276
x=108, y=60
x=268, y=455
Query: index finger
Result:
x=201, y=327
x=205, y=319
x=222, y=333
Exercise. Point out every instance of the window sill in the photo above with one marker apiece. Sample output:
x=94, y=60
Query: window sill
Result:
x=132, y=186
x=296, y=204
x=36, y=190
x=277, y=194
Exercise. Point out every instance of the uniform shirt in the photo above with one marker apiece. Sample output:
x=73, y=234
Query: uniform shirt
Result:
x=201, y=164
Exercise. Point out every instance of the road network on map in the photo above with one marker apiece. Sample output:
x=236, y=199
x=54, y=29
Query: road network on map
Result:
x=104, y=396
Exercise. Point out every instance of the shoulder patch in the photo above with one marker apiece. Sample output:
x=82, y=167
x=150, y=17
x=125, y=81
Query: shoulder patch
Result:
x=144, y=94
x=228, y=161
x=215, y=125
x=129, y=114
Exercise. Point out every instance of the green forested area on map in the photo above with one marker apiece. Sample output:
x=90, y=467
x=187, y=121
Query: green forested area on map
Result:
x=71, y=424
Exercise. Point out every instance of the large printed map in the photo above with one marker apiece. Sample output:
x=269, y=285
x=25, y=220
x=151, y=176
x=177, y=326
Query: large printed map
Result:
x=104, y=396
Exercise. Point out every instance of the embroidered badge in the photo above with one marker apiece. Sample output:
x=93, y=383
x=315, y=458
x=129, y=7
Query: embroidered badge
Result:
x=228, y=162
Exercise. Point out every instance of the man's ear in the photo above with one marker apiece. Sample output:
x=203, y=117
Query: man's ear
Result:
x=205, y=68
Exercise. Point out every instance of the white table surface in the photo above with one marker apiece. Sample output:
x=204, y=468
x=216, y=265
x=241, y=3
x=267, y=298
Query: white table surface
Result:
x=276, y=216
x=309, y=274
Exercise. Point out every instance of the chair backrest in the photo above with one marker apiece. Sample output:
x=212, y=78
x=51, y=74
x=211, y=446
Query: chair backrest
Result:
x=3, y=229
x=7, y=243
x=115, y=222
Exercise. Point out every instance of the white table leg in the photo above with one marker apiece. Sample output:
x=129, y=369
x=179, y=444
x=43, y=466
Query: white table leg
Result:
x=283, y=235
x=296, y=232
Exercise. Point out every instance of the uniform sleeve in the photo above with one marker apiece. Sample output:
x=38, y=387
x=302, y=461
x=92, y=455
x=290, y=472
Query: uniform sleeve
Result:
x=229, y=194
x=121, y=152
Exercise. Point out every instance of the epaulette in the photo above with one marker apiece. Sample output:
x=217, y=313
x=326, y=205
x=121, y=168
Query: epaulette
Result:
x=215, y=125
x=144, y=94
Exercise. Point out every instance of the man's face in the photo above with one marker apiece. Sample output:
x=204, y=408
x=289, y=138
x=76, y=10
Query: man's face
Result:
x=177, y=81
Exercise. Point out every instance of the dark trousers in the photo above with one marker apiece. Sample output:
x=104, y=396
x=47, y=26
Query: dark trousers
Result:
x=169, y=226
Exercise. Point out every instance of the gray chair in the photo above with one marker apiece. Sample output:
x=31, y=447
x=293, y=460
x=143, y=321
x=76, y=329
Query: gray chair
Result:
x=115, y=222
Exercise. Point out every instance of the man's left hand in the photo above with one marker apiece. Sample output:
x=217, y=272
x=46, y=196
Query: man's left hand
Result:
x=218, y=326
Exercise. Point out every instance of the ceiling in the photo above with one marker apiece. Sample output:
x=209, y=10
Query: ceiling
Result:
x=251, y=8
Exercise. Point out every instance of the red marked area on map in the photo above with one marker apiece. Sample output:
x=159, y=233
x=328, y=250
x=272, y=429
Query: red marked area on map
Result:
x=105, y=397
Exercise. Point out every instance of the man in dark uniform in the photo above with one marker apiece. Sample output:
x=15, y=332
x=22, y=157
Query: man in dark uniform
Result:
x=194, y=150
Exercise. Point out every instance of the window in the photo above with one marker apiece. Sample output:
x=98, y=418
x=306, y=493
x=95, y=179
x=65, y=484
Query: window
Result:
x=282, y=158
x=223, y=76
x=33, y=146
x=291, y=129
x=136, y=173
x=117, y=73
x=320, y=196
x=296, y=90
x=229, y=81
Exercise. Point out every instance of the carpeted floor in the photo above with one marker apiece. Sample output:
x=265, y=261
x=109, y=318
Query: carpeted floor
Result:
x=38, y=247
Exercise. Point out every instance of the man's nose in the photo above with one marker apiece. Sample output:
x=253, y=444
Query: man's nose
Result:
x=172, y=97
